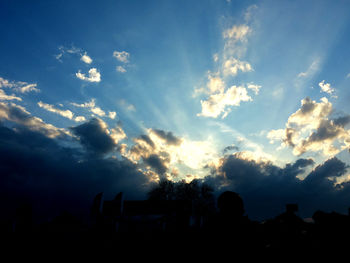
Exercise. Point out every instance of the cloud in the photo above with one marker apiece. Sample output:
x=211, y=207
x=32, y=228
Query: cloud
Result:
x=4, y=96
x=175, y=153
x=120, y=69
x=64, y=113
x=73, y=50
x=217, y=103
x=126, y=105
x=112, y=115
x=19, y=115
x=266, y=188
x=326, y=87
x=312, y=69
x=95, y=136
x=18, y=86
x=55, y=178
x=79, y=118
x=311, y=128
x=250, y=12
x=98, y=111
x=122, y=56
x=94, y=75
x=219, y=96
x=86, y=59
x=27, y=88
x=255, y=88
x=238, y=33
x=158, y=164
x=168, y=137
x=230, y=148
x=91, y=105
x=233, y=65
x=117, y=134
x=215, y=84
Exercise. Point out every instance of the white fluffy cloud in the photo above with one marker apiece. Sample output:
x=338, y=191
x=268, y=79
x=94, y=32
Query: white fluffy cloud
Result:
x=311, y=128
x=220, y=97
x=79, y=118
x=162, y=153
x=86, y=59
x=94, y=75
x=112, y=115
x=98, y=111
x=217, y=103
x=232, y=66
x=255, y=88
x=326, y=87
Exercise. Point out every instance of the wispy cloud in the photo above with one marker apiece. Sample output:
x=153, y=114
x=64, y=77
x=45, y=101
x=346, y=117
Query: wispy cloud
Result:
x=73, y=50
x=18, y=86
x=126, y=105
x=312, y=69
x=121, y=56
x=120, y=69
x=64, y=113
x=237, y=32
x=4, y=96
x=91, y=106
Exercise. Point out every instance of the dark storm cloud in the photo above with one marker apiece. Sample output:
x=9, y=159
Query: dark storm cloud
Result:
x=147, y=140
x=94, y=136
x=308, y=106
x=342, y=121
x=326, y=130
x=169, y=137
x=19, y=115
x=230, y=148
x=266, y=188
x=156, y=163
x=36, y=169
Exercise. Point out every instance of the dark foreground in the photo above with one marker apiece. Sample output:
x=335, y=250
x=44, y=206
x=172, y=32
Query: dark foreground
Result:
x=174, y=228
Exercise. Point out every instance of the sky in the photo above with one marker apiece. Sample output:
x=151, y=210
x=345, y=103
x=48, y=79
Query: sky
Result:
x=109, y=96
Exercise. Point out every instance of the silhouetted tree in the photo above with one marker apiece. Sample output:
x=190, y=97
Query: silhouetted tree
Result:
x=163, y=191
x=195, y=191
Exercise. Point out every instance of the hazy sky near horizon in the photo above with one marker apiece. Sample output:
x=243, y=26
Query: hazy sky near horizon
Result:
x=177, y=85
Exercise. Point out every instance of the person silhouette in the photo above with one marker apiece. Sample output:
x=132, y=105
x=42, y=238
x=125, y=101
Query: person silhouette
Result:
x=230, y=229
x=230, y=205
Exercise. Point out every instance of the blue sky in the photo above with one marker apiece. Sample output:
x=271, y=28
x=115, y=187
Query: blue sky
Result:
x=268, y=78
